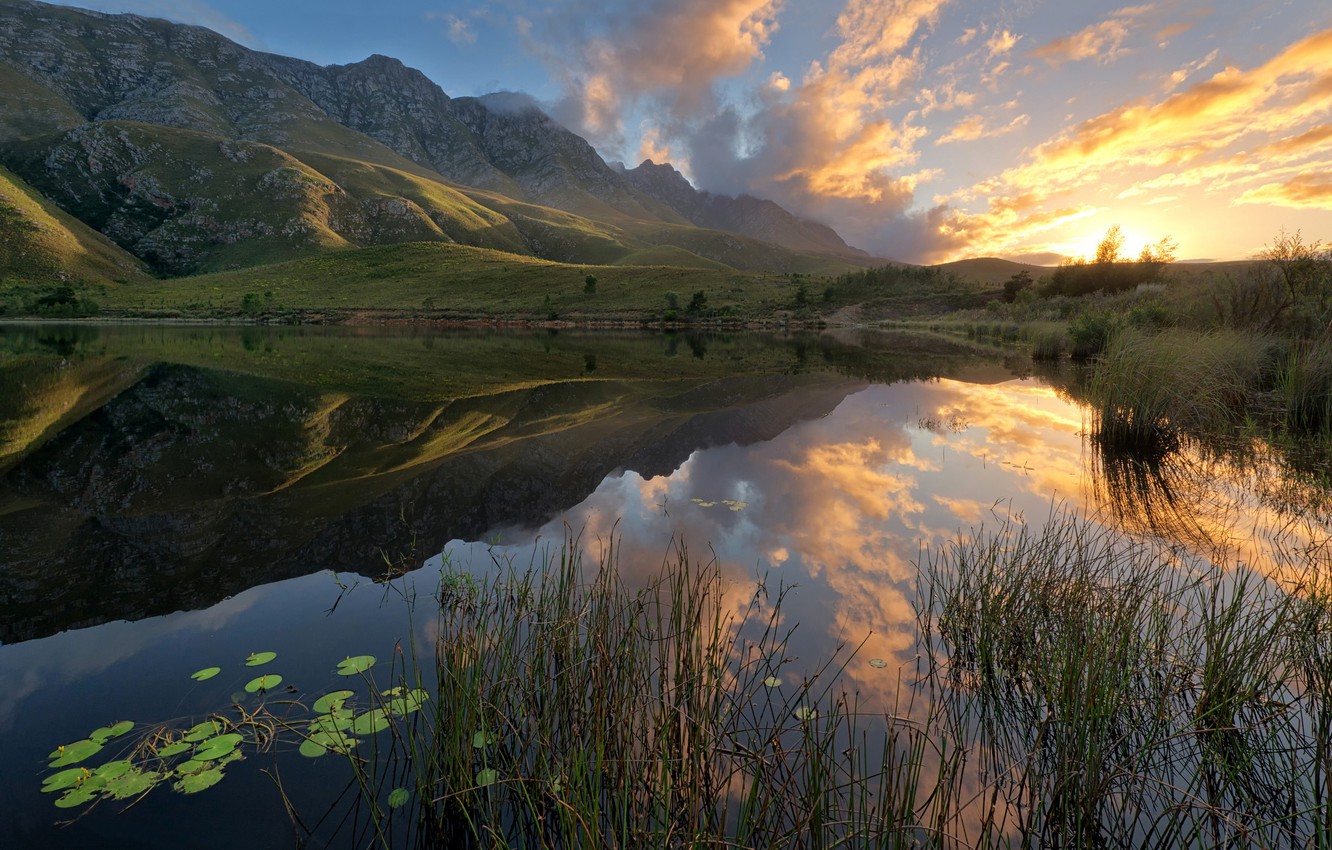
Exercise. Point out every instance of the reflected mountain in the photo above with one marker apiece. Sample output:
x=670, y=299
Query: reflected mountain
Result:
x=147, y=470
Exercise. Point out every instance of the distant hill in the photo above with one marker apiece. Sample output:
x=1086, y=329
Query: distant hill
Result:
x=192, y=153
x=992, y=270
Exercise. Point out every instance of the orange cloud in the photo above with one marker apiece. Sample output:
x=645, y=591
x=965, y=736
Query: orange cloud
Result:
x=974, y=127
x=1189, y=138
x=1101, y=41
x=1307, y=189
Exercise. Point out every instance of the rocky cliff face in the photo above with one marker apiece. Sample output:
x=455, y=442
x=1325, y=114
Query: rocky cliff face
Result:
x=125, y=122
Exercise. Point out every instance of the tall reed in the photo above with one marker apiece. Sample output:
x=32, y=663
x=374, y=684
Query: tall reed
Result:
x=572, y=711
x=1150, y=388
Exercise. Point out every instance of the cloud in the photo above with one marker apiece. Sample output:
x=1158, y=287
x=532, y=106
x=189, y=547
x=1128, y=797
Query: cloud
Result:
x=1195, y=137
x=1176, y=79
x=1308, y=189
x=459, y=29
x=671, y=51
x=974, y=127
x=1001, y=43
x=1101, y=41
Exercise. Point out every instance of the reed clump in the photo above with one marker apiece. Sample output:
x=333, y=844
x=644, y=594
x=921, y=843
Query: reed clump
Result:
x=1113, y=695
x=1149, y=389
x=572, y=711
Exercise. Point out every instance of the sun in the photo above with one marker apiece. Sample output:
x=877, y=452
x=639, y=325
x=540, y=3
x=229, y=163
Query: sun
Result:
x=1131, y=241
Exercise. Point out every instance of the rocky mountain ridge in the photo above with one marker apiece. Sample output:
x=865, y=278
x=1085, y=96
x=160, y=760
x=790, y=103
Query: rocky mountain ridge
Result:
x=194, y=153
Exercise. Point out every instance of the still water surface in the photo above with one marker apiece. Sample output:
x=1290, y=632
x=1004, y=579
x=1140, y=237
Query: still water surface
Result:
x=177, y=498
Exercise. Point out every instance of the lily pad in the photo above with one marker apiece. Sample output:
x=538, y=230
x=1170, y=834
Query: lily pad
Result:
x=486, y=776
x=65, y=779
x=334, y=721
x=773, y=681
x=196, y=782
x=205, y=730
x=102, y=734
x=411, y=701
x=371, y=722
x=878, y=663
x=75, y=752
x=338, y=742
x=312, y=749
x=331, y=701
x=76, y=797
x=205, y=674
x=481, y=740
x=263, y=683
x=132, y=784
x=804, y=713
x=175, y=748
x=398, y=798
x=355, y=664
x=216, y=748
x=254, y=659
x=113, y=769
x=187, y=768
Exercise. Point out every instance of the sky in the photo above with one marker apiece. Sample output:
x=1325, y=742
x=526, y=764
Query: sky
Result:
x=922, y=130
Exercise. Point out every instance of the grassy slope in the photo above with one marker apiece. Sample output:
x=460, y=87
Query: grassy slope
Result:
x=458, y=280
x=40, y=243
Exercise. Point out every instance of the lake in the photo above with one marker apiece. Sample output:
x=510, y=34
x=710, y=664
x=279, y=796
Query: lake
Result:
x=179, y=498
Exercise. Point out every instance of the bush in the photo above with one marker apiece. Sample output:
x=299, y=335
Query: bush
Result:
x=590, y=285
x=1090, y=333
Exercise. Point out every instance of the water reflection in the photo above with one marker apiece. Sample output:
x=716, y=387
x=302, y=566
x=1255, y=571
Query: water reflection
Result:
x=147, y=471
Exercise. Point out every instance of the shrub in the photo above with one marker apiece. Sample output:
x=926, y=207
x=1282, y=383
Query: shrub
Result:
x=1090, y=333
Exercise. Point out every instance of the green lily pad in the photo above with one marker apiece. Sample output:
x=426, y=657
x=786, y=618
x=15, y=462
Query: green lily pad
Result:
x=330, y=701
x=65, y=779
x=481, y=740
x=207, y=729
x=196, y=782
x=312, y=749
x=263, y=683
x=773, y=681
x=413, y=700
x=254, y=659
x=338, y=742
x=355, y=664
x=804, y=713
x=216, y=748
x=486, y=776
x=132, y=784
x=75, y=752
x=395, y=691
x=175, y=748
x=375, y=720
x=334, y=721
x=398, y=798
x=878, y=663
x=192, y=766
x=113, y=769
x=102, y=734
x=205, y=674
x=76, y=797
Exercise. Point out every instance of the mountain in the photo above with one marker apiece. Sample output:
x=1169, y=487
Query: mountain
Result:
x=192, y=153
x=751, y=216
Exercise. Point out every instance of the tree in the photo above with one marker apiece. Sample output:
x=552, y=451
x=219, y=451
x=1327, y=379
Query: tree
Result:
x=1108, y=250
x=1016, y=284
x=697, y=303
x=590, y=285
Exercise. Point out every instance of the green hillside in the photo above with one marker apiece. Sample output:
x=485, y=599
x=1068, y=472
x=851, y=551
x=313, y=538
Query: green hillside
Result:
x=41, y=245
x=443, y=280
